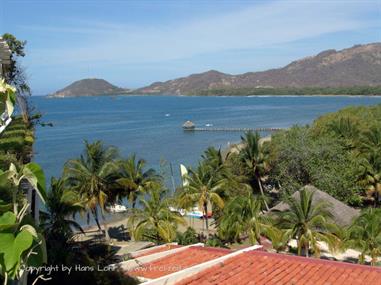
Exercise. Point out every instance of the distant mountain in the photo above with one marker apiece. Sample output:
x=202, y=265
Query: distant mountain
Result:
x=359, y=65
x=88, y=87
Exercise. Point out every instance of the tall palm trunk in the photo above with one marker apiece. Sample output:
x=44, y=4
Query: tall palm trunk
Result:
x=105, y=226
x=306, y=249
x=134, y=203
x=262, y=193
x=95, y=215
x=303, y=249
x=206, y=219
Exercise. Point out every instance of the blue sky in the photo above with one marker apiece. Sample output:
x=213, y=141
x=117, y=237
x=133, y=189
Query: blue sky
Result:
x=134, y=43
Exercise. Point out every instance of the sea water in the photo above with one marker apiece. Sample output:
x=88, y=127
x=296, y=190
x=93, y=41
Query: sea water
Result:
x=151, y=126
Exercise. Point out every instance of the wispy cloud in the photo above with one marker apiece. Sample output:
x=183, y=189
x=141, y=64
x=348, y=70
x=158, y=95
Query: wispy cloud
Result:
x=259, y=25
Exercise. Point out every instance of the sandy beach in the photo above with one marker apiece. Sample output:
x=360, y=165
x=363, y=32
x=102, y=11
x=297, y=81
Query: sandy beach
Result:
x=121, y=224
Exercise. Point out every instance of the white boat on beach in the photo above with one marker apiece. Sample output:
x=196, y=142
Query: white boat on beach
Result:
x=182, y=212
x=195, y=214
x=116, y=208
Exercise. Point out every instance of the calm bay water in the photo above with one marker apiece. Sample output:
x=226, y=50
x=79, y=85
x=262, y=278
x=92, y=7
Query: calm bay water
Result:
x=150, y=126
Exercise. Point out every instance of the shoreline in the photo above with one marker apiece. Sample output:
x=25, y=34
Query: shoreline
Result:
x=198, y=224
x=221, y=96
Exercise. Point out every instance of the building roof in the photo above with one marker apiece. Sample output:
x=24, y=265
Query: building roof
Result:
x=260, y=268
x=343, y=215
x=177, y=261
x=155, y=249
x=188, y=124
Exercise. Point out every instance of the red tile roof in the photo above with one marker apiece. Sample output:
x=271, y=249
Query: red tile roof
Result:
x=260, y=268
x=177, y=261
x=157, y=250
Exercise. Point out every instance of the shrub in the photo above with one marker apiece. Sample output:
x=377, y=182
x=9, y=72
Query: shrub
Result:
x=188, y=237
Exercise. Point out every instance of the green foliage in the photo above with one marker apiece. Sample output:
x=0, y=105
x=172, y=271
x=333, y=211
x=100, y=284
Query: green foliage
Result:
x=243, y=216
x=155, y=220
x=299, y=157
x=365, y=234
x=279, y=237
x=351, y=90
x=214, y=241
x=61, y=204
x=15, y=74
x=7, y=98
x=254, y=161
x=339, y=154
x=17, y=242
x=188, y=237
x=16, y=140
x=309, y=223
x=14, y=176
x=133, y=180
x=204, y=186
x=87, y=255
x=91, y=176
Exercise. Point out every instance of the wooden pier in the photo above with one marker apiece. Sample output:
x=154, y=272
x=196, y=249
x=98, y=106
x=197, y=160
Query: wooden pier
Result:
x=211, y=129
x=189, y=126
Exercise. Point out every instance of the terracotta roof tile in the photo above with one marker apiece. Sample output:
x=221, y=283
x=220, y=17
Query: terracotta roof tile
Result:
x=158, y=249
x=177, y=261
x=260, y=268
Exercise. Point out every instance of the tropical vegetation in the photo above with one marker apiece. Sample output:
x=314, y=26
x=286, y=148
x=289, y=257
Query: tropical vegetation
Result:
x=133, y=180
x=243, y=216
x=155, y=221
x=365, y=235
x=309, y=224
x=354, y=90
x=235, y=190
x=91, y=177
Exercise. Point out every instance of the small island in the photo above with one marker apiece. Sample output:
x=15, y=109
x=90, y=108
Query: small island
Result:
x=88, y=87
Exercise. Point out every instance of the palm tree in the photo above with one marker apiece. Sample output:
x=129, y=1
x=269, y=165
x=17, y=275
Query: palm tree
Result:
x=155, y=220
x=203, y=189
x=61, y=204
x=91, y=176
x=309, y=223
x=371, y=145
x=243, y=215
x=370, y=179
x=370, y=164
x=346, y=129
x=133, y=180
x=213, y=158
x=254, y=160
x=279, y=237
x=365, y=234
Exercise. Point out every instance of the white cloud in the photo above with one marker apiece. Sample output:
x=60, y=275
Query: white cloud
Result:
x=260, y=25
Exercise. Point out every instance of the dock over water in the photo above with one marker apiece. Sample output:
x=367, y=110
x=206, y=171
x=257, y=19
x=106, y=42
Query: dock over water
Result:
x=191, y=127
x=211, y=129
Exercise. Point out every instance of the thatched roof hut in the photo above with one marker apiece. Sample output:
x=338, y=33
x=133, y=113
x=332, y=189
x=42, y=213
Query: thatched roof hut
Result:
x=189, y=125
x=343, y=215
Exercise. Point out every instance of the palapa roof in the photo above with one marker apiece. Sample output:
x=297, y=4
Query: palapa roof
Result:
x=343, y=215
x=188, y=124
